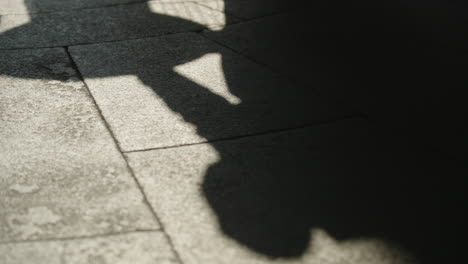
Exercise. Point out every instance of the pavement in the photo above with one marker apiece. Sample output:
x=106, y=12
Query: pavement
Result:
x=211, y=131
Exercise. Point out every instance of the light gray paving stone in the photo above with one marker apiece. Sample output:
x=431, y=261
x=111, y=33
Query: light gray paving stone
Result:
x=13, y=7
x=238, y=195
x=61, y=174
x=144, y=248
x=105, y=24
x=184, y=89
x=38, y=6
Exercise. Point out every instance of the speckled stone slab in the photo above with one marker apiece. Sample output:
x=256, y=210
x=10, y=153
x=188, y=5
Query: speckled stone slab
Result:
x=184, y=88
x=61, y=174
x=267, y=199
x=144, y=248
x=105, y=24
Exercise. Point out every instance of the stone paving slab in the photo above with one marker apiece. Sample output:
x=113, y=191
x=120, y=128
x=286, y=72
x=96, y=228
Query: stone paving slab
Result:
x=257, y=39
x=105, y=24
x=145, y=248
x=279, y=42
x=387, y=76
x=270, y=194
x=184, y=89
x=39, y=6
x=61, y=174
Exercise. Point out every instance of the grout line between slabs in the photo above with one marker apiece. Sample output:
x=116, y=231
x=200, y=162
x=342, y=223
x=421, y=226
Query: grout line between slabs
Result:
x=104, y=235
x=129, y=3
x=262, y=133
x=316, y=92
x=129, y=168
x=281, y=75
x=106, y=41
x=198, y=30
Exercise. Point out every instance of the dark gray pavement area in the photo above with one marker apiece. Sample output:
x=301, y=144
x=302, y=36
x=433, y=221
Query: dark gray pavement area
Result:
x=232, y=131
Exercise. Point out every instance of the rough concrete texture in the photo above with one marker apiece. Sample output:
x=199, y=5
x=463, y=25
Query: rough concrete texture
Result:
x=105, y=24
x=184, y=89
x=244, y=196
x=145, y=248
x=46, y=6
x=61, y=174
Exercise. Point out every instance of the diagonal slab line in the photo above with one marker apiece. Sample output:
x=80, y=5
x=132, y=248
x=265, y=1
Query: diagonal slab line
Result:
x=132, y=173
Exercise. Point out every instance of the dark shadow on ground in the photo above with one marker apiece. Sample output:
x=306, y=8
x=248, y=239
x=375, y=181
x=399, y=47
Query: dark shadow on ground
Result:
x=403, y=65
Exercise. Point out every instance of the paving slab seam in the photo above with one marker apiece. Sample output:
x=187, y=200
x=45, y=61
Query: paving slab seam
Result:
x=316, y=92
x=130, y=170
x=93, y=7
x=153, y=36
x=104, y=235
x=261, y=133
x=282, y=75
x=155, y=215
x=107, y=41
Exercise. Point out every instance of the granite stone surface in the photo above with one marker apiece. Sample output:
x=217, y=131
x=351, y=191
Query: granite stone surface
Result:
x=61, y=174
x=145, y=248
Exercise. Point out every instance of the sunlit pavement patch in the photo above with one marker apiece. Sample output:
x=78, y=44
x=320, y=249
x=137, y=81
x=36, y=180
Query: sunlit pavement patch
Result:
x=60, y=172
x=144, y=248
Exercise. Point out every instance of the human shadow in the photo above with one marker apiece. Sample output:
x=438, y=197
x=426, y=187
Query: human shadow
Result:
x=352, y=181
